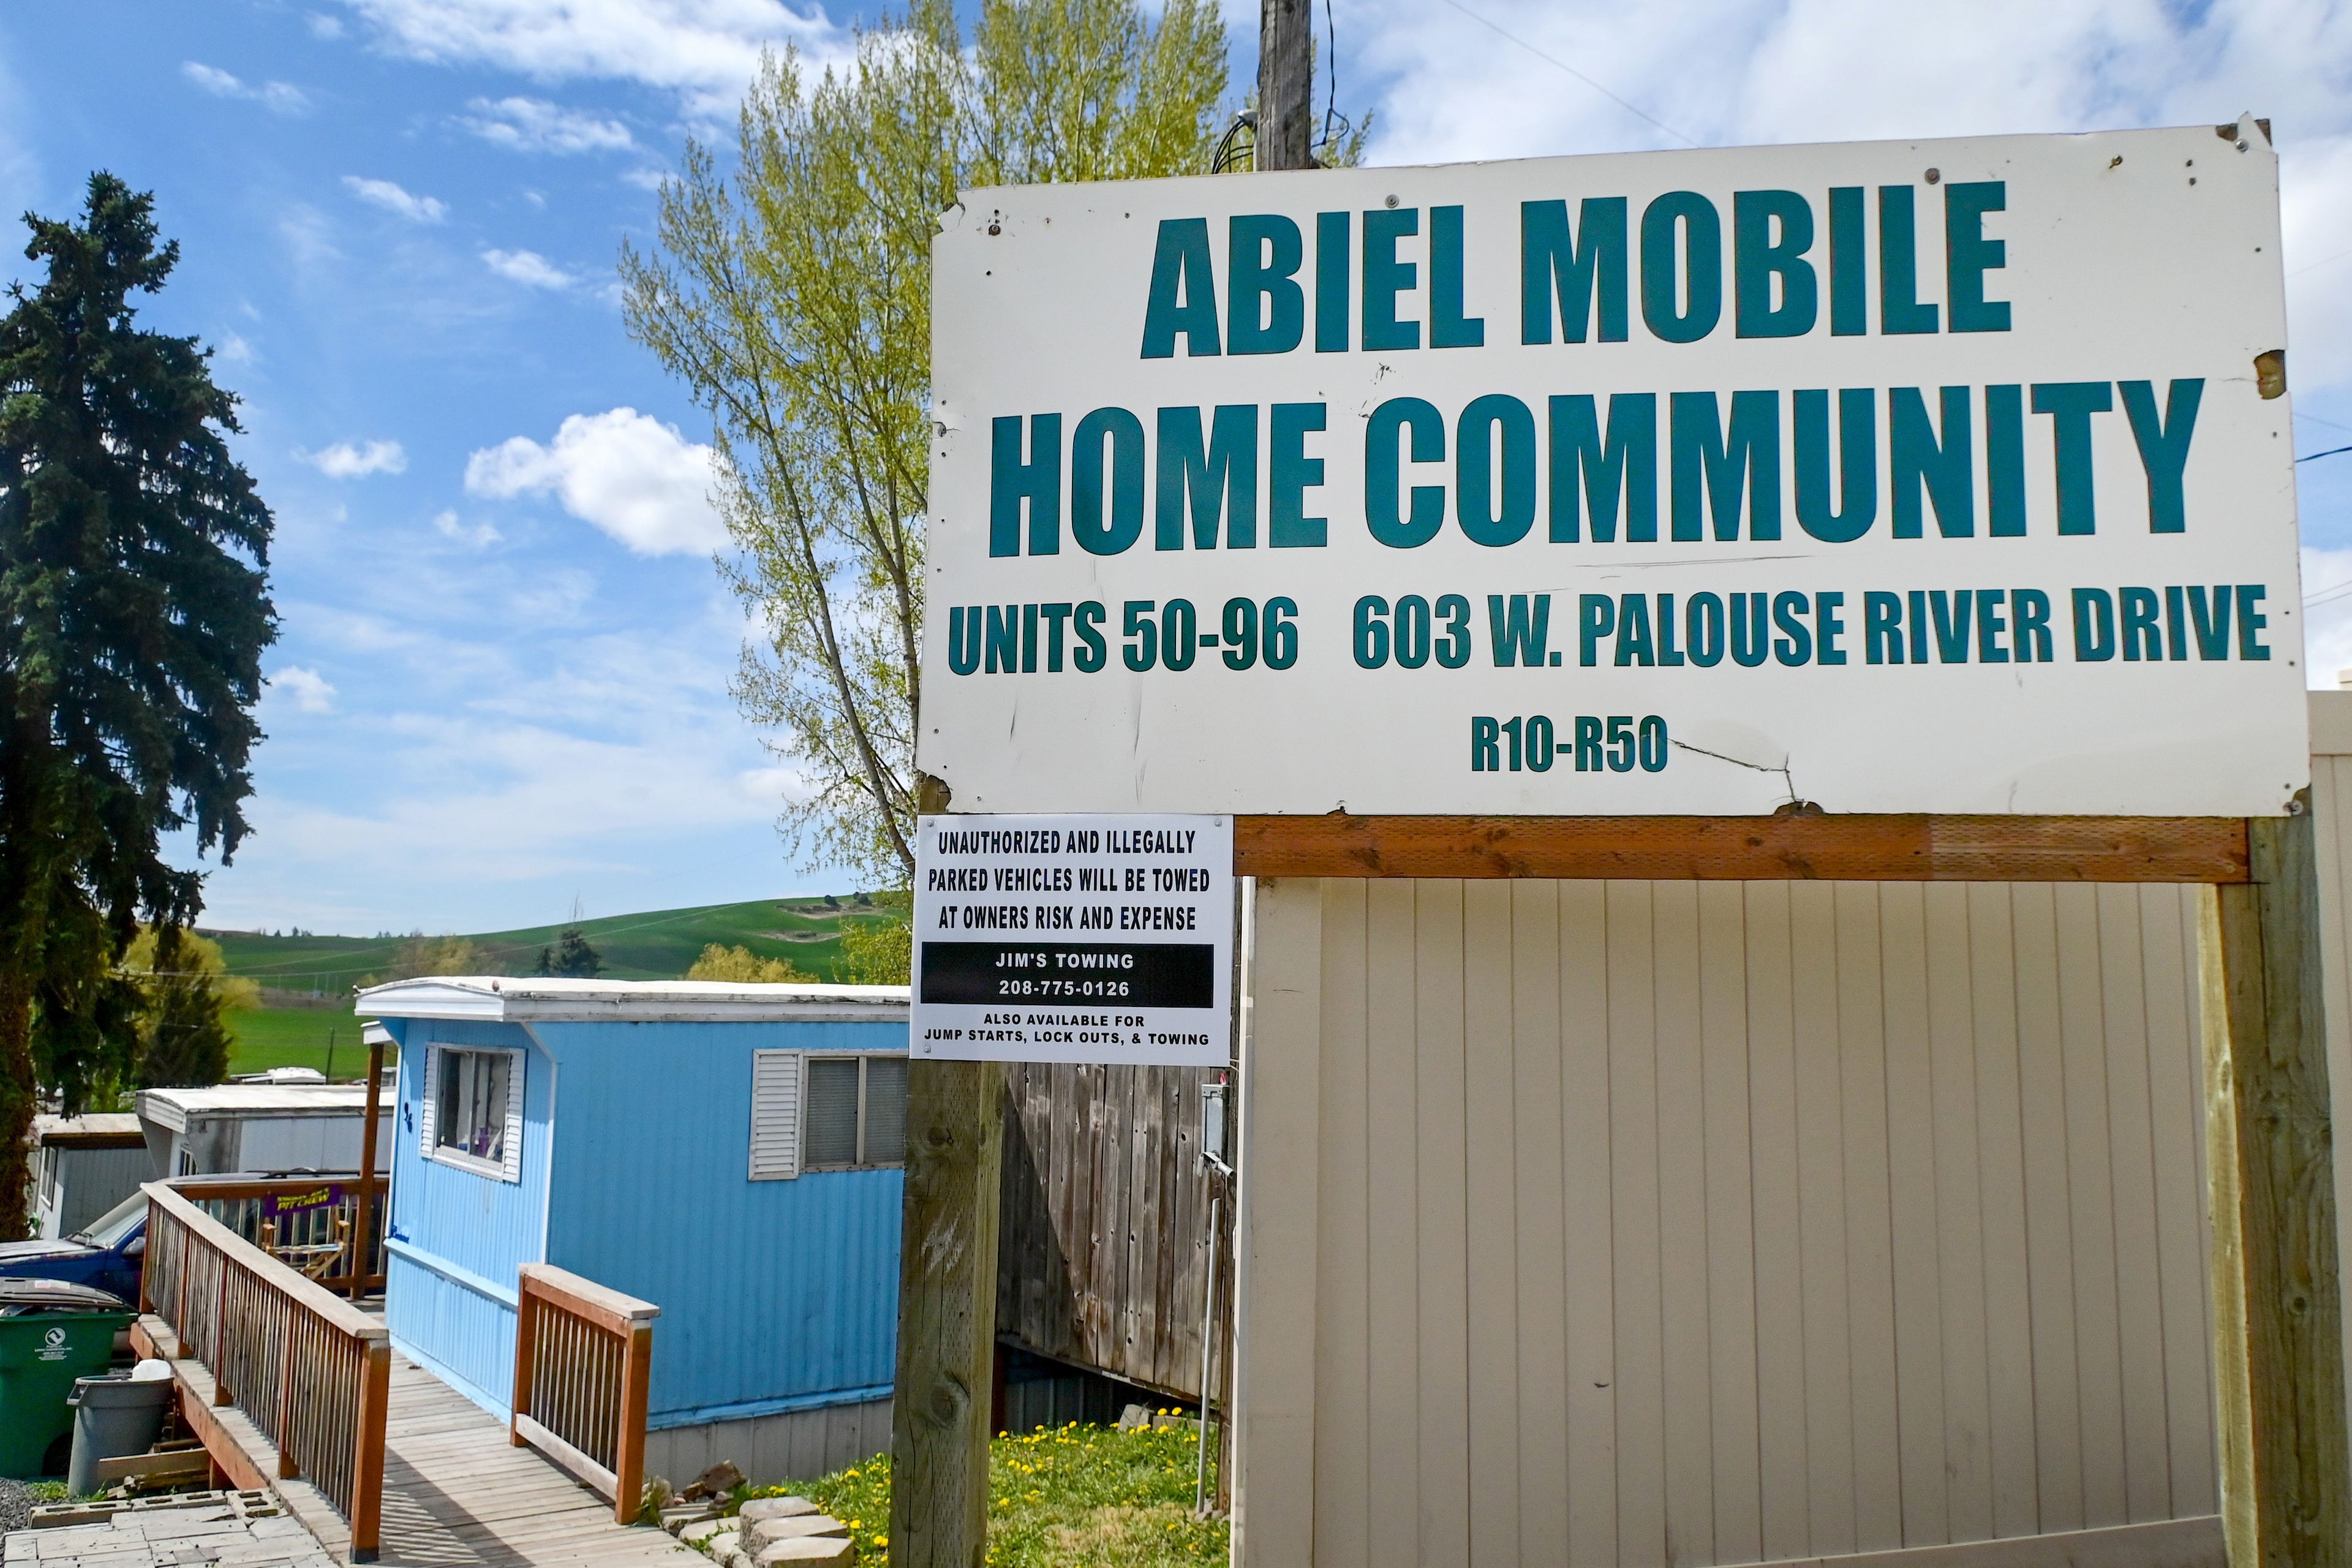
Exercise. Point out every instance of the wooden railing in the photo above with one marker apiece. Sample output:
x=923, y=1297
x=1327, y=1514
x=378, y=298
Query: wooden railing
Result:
x=307, y=1224
x=583, y=1366
x=312, y=1373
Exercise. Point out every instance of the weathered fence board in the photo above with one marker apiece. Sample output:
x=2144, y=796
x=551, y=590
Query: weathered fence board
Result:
x=1104, y=1250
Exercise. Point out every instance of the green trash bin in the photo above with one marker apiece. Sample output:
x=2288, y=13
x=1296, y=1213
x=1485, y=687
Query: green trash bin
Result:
x=51, y=1333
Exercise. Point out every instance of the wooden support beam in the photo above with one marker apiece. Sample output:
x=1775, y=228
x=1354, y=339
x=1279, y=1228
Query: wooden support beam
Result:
x=1800, y=847
x=359, y=1239
x=947, y=1315
x=2287, y=1493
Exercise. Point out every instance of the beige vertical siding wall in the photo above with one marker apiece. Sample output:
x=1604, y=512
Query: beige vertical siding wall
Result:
x=1708, y=1223
x=2331, y=793
x=1635, y=1223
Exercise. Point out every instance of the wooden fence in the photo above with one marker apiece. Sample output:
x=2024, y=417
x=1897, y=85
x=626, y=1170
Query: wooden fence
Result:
x=583, y=1364
x=307, y=1225
x=1103, y=1240
x=312, y=1372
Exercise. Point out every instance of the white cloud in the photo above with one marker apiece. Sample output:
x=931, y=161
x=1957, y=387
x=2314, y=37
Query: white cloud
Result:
x=325, y=26
x=535, y=125
x=626, y=472
x=528, y=268
x=2327, y=625
x=397, y=201
x=612, y=756
x=235, y=349
x=1728, y=72
x=345, y=461
x=307, y=235
x=278, y=97
x=648, y=178
x=481, y=536
x=307, y=687
x=703, y=50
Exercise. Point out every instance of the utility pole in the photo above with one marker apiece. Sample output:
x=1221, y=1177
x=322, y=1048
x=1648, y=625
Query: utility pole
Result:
x=1286, y=84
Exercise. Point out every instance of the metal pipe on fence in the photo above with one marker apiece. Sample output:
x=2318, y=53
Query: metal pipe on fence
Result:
x=1208, y=1351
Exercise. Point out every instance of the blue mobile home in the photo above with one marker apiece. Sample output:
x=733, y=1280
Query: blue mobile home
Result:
x=729, y=1153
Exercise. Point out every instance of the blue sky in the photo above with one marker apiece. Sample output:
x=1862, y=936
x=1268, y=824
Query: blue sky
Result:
x=501, y=684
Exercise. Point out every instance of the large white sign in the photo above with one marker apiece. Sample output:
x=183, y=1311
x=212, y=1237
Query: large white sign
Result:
x=1949, y=476
x=1074, y=939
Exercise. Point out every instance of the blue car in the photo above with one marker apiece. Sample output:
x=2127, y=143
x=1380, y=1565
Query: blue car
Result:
x=107, y=1255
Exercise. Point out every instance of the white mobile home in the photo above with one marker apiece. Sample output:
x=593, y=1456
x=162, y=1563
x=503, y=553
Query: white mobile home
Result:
x=259, y=1128
x=86, y=1165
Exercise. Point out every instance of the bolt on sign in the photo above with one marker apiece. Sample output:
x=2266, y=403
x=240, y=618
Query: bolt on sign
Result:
x=1942, y=477
x=1089, y=938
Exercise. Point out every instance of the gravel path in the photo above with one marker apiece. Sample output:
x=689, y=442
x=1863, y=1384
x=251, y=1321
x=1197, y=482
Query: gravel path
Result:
x=15, y=1507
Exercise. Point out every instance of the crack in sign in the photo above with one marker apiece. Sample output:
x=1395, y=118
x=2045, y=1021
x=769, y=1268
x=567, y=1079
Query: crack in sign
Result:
x=1787, y=777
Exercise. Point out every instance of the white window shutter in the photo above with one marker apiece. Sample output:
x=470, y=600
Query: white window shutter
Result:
x=512, y=1150
x=432, y=1098
x=775, y=1115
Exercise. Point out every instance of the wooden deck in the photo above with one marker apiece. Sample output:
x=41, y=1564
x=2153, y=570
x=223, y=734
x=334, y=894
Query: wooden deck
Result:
x=456, y=1494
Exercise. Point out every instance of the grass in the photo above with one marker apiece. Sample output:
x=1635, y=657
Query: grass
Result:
x=307, y=980
x=656, y=945
x=268, y=1036
x=1092, y=1497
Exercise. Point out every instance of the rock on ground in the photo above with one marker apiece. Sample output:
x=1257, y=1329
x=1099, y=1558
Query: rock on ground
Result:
x=760, y=1508
x=768, y=1532
x=810, y=1549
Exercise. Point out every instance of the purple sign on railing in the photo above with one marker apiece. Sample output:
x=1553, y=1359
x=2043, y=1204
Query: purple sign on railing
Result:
x=325, y=1196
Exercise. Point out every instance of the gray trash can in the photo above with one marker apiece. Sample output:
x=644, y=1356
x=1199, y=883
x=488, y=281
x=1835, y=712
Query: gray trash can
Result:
x=112, y=1417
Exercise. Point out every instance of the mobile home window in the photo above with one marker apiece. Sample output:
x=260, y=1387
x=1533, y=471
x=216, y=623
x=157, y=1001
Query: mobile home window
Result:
x=474, y=1110
x=856, y=1111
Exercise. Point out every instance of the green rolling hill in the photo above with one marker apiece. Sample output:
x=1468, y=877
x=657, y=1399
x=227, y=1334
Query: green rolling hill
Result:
x=306, y=981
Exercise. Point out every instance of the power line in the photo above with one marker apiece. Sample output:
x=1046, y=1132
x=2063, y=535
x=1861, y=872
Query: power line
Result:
x=2321, y=262
x=2331, y=452
x=1629, y=108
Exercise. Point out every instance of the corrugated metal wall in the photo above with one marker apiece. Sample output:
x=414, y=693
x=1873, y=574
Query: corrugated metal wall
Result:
x=772, y=1293
x=88, y=1183
x=459, y=1320
x=1722, y=1223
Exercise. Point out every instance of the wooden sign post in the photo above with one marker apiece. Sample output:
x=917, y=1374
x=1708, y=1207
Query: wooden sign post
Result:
x=2278, y=1333
x=947, y=1304
x=947, y=1315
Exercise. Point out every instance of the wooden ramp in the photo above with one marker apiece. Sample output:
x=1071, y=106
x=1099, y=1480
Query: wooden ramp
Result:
x=456, y=1494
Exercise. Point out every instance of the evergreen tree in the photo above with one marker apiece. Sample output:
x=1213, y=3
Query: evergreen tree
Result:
x=133, y=612
x=570, y=958
x=182, y=1039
